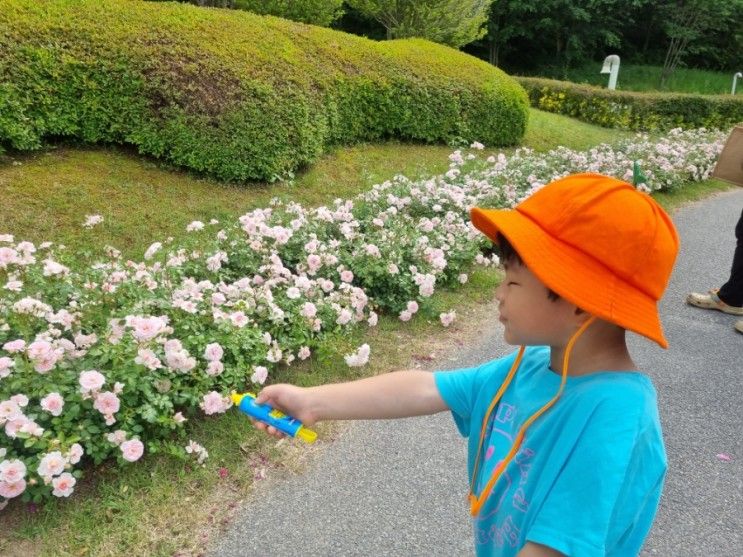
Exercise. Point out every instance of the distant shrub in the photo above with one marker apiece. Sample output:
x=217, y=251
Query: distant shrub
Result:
x=633, y=111
x=230, y=93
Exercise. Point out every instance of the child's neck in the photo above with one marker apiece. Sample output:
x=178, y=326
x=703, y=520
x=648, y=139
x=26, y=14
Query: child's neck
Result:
x=592, y=353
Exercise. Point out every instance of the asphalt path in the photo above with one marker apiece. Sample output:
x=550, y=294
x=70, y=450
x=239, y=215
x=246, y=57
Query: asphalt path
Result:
x=398, y=487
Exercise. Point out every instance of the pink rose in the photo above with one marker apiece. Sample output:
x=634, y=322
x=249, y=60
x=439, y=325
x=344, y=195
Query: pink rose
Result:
x=7, y=256
x=214, y=403
x=213, y=352
x=52, y=403
x=12, y=427
x=9, y=410
x=314, y=262
x=75, y=453
x=260, y=374
x=91, y=380
x=447, y=318
x=12, y=471
x=20, y=399
x=14, y=346
x=46, y=363
x=117, y=437
x=107, y=403
x=239, y=319
x=132, y=450
x=10, y=490
x=63, y=485
x=147, y=328
x=5, y=365
x=214, y=368
x=344, y=317
x=309, y=310
x=173, y=345
x=39, y=349
x=52, y=464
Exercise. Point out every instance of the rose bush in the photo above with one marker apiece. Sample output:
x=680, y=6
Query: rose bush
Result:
x=107, y=359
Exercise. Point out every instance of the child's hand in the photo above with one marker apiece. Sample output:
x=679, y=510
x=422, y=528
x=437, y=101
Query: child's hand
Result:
x=289, y=399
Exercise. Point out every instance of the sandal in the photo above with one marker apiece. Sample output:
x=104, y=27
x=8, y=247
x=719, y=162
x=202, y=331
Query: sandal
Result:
x=739, y=326
x=712, y=301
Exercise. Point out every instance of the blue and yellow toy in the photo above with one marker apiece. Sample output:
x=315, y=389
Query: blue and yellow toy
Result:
x=268, y=415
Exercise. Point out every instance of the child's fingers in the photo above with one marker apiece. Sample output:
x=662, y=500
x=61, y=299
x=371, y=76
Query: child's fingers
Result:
x=268, y=429
x=265, y=395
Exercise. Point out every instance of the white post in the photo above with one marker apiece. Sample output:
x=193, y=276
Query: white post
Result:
x=611, y=66
x=735, y=79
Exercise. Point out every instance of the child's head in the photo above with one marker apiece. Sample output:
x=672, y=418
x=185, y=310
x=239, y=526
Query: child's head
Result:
x=591, y=241
x=530, y=312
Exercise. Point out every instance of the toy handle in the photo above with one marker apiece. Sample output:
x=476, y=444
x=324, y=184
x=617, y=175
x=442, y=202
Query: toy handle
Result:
x=268, y=415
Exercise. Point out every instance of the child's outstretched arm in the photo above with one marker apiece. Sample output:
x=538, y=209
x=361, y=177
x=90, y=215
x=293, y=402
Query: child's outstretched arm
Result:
x=398, y=394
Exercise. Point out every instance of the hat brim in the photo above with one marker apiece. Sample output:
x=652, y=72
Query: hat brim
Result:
x=574, y=275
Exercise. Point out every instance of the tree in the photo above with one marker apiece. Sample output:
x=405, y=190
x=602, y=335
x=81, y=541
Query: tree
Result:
x=451, y=22
x=508, y=21
x=689, y=23
x=558, y=33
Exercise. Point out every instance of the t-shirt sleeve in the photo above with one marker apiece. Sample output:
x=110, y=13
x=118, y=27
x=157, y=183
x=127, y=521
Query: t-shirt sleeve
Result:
x=606, y=495
x=460, y=388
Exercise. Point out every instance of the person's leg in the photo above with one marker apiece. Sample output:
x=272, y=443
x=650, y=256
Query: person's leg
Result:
x=732, y=291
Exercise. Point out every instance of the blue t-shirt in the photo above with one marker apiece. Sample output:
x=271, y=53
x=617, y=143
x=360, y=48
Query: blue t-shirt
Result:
x=588, y=477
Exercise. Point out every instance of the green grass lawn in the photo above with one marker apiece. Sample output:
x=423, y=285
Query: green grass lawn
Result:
x=633, y=77
x=163, y=506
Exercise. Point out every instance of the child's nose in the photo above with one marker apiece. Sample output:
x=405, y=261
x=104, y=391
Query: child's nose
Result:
x=500, y=293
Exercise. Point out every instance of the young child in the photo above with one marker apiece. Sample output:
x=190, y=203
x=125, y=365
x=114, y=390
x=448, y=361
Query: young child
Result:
x=565, y=449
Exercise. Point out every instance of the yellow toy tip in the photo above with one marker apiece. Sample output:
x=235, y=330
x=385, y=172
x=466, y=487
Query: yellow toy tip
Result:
x=306, y=435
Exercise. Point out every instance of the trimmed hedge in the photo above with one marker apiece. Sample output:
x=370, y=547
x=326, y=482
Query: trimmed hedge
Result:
x=633, y=111
x=230, y=93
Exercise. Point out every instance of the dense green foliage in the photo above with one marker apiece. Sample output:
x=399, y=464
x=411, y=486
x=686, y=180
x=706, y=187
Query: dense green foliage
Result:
x=231, y=93
x=633, y=111
x=451, y=22
x=527, y=36
x=316, y=12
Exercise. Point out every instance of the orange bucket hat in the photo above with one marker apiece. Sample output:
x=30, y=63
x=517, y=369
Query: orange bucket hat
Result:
x=597, y=242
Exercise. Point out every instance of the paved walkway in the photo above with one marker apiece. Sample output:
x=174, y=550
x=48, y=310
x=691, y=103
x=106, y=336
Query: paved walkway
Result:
x=398, y=487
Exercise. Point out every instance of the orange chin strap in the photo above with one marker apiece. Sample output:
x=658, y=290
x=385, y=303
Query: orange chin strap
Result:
x=477, y=501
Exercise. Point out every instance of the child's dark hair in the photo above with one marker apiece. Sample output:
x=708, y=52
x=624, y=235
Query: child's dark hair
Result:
x=508, y=254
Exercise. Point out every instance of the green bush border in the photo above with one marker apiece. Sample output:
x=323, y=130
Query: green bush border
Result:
x=234, y=94
x=631, y=110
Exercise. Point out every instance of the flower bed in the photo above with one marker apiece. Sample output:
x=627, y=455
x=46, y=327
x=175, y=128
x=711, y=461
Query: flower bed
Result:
x=107, y=359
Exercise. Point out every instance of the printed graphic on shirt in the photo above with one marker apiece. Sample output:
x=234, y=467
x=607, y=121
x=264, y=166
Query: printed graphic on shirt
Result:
x=499, y=523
